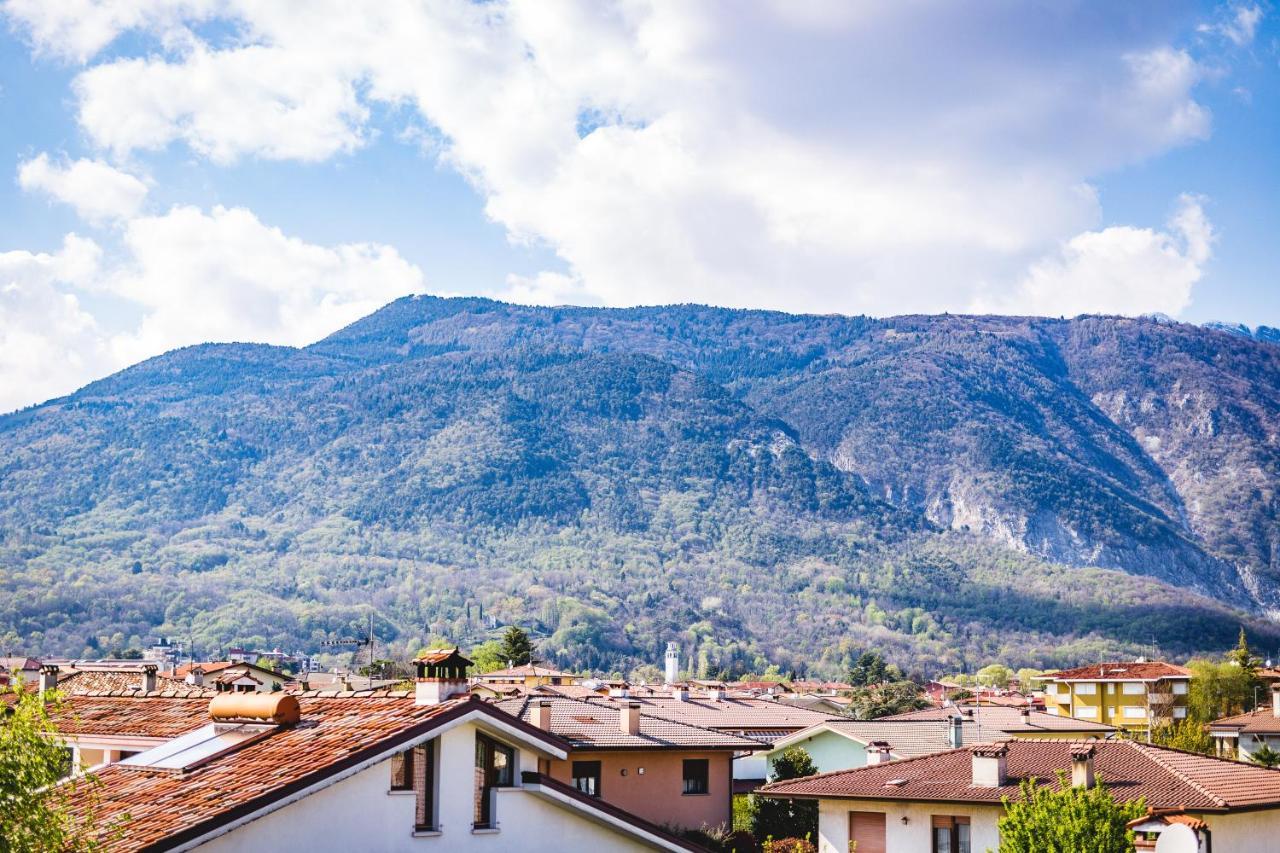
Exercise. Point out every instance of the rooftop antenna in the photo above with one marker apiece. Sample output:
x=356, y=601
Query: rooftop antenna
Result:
x=357, y=642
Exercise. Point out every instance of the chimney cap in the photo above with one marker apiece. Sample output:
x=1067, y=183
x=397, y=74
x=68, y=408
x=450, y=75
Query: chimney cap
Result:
x=879, y=744
x=991, y=750
x=1081, y=751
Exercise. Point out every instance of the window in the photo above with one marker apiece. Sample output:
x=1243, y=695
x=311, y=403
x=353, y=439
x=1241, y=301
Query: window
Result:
x=1133, y=688
x=1179, y=688
x=1111, y=688
x=1086, y=689
x=402, y=771
x=1064, y=688
x=586, y=777
x=1086, y=711
x=696, y=772
x=495, y=768
x=950, y=834
x=1132, y=713
x=1179, y=713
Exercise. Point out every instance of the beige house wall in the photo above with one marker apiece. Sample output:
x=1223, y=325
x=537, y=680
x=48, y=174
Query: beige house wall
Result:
x=914, y=836
x=656, y=794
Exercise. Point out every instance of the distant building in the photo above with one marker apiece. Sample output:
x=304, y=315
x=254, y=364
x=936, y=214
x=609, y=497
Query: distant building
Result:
x=1240, y=735
x=1130, y=695
x=527, y=675
x=671, y=664
x=228, y=676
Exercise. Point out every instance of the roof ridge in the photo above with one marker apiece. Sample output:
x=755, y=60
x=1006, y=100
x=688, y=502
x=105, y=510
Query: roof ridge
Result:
x=1152, y=752
x=898, y=763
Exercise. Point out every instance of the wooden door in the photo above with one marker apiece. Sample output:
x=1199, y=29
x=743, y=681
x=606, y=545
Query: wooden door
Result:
x=867, y=828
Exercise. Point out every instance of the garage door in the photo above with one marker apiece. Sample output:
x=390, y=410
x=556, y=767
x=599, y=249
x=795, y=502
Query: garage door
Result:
x=867, y=828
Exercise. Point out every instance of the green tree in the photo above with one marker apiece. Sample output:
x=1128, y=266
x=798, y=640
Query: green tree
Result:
x=36, y=809
x=882, y=700
x=994, y=675
x=1066, y=820
x=869, y=668
x=1187, y=734
x=1265, y=756
x=487, y=657
x=516, y=648
x=1218, y=690
x=776, y=818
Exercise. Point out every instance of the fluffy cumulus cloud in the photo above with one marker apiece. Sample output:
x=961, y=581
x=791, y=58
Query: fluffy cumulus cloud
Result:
x=96, y=190
x=879, y=157
x=855, y=157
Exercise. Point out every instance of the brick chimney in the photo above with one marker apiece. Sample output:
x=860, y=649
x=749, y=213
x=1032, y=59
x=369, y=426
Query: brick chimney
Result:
x=149, y=678
x=990, y=765
x=48, y=677
x=1082, y=765
x=878, y=752
x=629, y=718
x=542, y=715
x=955, y=732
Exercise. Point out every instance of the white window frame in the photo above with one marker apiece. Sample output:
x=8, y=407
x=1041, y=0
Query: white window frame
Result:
x=1135, y=712
x=1086, y=712
x=1087, y=688
x=1179, y=713
x=1133, y=688
x=1179, y=688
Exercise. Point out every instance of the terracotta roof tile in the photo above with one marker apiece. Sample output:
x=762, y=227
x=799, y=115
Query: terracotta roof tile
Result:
x=595, y=725
x=1261, y=721
x=1008, y=720
x=1167, y=778
x=1120, y=671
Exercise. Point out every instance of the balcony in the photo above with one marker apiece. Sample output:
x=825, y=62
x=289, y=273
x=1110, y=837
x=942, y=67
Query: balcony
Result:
x=1160, y=698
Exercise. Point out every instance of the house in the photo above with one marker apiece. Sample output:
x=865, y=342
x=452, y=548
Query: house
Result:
x=952, y=800
x=14, y=668
x=1239, y=736
x=230, y=676
x=1131, y=695
x=431, y=769
x=527, y=675
x=103, y=728
x=846, y=744
x=665, y=771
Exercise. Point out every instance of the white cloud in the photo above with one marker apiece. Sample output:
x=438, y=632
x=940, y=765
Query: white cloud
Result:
x=1118, y=270
x=191, y=276
x=885, y=157
x=1239, y=24
x=225, y=276
x=97, y=191
x=49, y=345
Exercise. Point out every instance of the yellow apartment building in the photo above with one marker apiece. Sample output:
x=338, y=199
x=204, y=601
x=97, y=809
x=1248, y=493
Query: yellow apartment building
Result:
x=1130, y=696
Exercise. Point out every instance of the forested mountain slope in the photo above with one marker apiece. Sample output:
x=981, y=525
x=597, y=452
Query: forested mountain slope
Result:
x=762, y=486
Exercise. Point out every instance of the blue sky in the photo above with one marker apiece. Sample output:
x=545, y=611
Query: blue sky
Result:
x=224, y=170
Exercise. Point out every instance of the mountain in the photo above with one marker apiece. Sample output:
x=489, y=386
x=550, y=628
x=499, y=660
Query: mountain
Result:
x=762, y=487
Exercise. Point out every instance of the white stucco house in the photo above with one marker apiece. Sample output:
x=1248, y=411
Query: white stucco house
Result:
x=951, y=801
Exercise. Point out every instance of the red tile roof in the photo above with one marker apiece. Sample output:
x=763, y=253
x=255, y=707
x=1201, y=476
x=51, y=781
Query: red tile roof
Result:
x=336, y=733
x=760, y=719
x=1261, y=721
x=524, y=671
x=1120, y=671
x=593, y=725
x=1005, y=719
x=137, y=715
x=1167, y=778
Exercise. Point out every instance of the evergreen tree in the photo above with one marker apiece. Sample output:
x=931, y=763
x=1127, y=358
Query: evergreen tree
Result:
x=1187, y=734
x=516, y=648
x=1067, y=820
x=773, y=818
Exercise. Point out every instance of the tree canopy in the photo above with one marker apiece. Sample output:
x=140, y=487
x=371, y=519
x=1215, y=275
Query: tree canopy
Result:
x=774, y=818
x=516, y=648
x=1066, y=819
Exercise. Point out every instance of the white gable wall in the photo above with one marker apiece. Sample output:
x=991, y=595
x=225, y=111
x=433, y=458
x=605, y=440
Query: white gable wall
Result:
x=915, y=834
x=358, y=814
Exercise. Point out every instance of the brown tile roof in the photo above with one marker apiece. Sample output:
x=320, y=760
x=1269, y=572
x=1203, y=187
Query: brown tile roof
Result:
x=1120, y=671
x=760, y=719
x=525, y=670
x=1005, y=719
x=133, y=714
x=336, y=732
x=1261, y=721
x=594, y=725
x=112, y=681
x=1167, y=778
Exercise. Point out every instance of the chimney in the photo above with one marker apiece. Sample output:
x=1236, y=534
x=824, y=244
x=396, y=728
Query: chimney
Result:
x=48, y=677
x=990, y=765
x=619, y=692
x=542, y=715
x=629, y=718
x=878, y=753
x=1025, y=715
x=442, y=675
x=680, y=693
x=955, y=732
x=1082, y=765
x=196, y=677
x=1275, y=699
x=715, y=694
x=149, y=678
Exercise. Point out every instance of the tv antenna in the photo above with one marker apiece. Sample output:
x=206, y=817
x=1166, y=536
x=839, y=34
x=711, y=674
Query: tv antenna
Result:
x=358, y=642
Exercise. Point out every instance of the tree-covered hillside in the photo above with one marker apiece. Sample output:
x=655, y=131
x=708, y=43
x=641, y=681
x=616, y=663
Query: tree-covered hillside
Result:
x=759, y=486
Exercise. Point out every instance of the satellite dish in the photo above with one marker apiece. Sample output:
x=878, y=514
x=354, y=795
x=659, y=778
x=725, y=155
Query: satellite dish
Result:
x=1178, y=838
